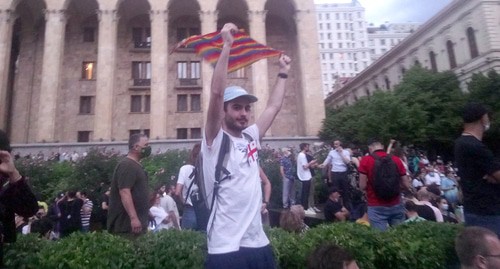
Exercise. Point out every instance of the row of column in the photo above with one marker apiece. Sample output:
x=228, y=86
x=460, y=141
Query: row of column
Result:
x=107, y=46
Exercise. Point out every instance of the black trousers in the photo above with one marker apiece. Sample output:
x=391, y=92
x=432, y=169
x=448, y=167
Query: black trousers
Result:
x=304, y=197
x=341, y=181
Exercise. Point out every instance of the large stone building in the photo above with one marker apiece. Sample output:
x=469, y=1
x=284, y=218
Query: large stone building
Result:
x=463, y=37
x=343, y=42
x=383, y=38
x=99, y=70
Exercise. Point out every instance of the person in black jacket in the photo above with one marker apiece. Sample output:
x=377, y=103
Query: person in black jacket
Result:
x=16, y=196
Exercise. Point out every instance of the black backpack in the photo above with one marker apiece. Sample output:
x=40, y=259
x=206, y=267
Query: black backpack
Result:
x=386, y=177
x=203, y=198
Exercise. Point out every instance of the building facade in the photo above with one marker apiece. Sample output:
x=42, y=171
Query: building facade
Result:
x=100, y=70
x=343, y=42
x=382, y=39
x=463, y=37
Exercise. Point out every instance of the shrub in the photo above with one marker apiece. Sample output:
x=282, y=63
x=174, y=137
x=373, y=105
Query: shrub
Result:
x=24, y=253
x=418, y=245
x=172, y=249
x=92, y=250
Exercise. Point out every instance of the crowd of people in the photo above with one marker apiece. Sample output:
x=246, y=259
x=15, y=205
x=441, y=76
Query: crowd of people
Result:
x=381, y=188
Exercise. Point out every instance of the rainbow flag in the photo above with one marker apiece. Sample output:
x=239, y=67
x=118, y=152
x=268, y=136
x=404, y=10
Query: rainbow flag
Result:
x=244, y=51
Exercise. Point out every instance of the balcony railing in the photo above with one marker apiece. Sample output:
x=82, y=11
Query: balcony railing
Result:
x=142, y=82
x=142, y=45
x=188, y=81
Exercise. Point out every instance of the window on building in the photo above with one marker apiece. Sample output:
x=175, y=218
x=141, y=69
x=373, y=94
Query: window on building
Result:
x=188, y=72
x=195, y=102
x=321, y=36
x=83, y=136
x=403, y=70
x=327, y=16
x=339, y=36
x=195, y=133
x=384, y=51
x=337, y=17
x=328, y=26
x=182, y=133
x=338, y=28
x=329, y=36
x=88, y=34
x=417, y=62
x=451, y=54
x=340, y=45
x=332, y=66
x=359, y=15
x=139, y=131
x=89, y=70
x=330, y=55
x=371, y=42
x=86, y=105
x=182, y=103
x=382, y=42
x=387, y=83
x=330, y=45
x=240, y=73
x=321, y=26
x=320, y=17
x=432, y=58
x=141, y=73
x=471, y=37
x=322, y=56
x=140, y=103
x=141, y=37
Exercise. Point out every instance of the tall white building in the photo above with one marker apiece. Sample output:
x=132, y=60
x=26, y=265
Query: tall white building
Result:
x=343, y=42
x=383, y=38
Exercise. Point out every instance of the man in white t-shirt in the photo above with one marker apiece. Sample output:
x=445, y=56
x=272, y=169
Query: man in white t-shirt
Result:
x=339, y=158
x=185, y=188
x=304, y=175
x=432, y=176
x=235, y=235
x=167, y=202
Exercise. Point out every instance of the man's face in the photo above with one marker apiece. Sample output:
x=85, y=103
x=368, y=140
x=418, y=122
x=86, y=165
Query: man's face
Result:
x=493, y=256
x=336, y=144
x=143, y=142
x=237, y=114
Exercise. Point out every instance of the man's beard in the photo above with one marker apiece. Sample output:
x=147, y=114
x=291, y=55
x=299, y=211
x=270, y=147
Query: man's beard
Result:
x=235, y=125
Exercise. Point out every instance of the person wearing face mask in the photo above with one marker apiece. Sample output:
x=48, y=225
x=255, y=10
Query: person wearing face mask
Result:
x=478, y=170
x=128, y=201
x=444, y=207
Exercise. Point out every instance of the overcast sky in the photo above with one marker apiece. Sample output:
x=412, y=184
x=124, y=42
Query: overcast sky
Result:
x=380, y=11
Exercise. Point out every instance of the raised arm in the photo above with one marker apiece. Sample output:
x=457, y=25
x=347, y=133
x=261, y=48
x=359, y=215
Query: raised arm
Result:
x=216, y=104
x=276, y=99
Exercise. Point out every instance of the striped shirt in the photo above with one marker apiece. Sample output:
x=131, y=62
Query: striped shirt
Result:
x=87, y=203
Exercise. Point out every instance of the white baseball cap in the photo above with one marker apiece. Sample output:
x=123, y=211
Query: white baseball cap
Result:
x=233, y=92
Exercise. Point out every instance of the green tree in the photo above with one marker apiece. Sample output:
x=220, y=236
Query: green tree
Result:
x=422, y=110
x=485, y=89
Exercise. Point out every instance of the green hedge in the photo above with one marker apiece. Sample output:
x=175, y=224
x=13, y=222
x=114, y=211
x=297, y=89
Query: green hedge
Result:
x=425, y=245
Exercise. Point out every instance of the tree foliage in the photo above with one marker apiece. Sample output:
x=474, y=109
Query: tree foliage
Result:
x=423, y=110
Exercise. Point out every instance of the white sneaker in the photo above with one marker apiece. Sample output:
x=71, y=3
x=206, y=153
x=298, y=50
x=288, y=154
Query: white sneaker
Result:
x=310, y=211
x=316, y=209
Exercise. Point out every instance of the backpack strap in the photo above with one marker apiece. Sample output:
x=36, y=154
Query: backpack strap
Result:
x=191, y=176
x=220, y=167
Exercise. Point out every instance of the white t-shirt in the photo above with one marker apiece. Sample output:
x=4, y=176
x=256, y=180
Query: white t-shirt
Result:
x=338, y=164
x=235, y=220
x=168, y=204
x=434, y=178
x=304, y=174
x=183, y=179
x=159, y=214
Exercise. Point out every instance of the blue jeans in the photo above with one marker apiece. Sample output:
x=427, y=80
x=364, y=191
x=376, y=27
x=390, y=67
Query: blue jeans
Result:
x=491, y=222
x=382, y=216
x=245, y=258
x=188, y=218
x=288, y=192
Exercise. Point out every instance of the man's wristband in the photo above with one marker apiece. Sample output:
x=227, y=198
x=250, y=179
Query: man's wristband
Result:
x=282, y=75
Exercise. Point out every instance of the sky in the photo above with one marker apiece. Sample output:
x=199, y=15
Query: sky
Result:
x=381, y=11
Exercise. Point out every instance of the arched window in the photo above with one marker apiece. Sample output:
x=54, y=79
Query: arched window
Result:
x=471, y=36
x=451, y=54
x=367, y=92
x=432, y=57
x=403, y=70
x=387, y=83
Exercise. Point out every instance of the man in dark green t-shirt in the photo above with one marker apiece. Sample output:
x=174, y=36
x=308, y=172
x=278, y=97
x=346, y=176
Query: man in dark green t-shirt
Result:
x=129, y=197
